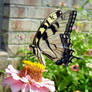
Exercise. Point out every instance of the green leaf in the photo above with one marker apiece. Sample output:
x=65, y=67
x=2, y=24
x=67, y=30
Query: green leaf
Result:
x=64, y=83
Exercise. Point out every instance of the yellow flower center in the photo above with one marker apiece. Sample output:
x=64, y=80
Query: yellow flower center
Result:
x=42, y=67
x=34, y=70
x=77, y=91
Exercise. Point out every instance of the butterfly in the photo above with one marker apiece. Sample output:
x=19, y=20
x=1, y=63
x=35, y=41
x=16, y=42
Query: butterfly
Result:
x=53, y=37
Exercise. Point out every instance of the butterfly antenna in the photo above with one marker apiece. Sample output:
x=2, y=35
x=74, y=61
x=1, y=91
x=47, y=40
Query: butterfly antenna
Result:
x=77, y=57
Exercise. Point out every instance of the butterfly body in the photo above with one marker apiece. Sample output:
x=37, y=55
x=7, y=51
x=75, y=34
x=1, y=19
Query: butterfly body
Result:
x=53, y=37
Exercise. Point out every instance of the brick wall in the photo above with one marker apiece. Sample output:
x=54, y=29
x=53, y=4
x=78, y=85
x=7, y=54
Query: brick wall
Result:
x=23, y=17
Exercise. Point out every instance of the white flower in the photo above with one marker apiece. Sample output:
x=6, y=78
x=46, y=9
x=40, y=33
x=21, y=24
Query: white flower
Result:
x=89, y=65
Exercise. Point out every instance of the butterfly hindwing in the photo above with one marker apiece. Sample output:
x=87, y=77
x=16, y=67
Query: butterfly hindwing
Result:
x=56, y=48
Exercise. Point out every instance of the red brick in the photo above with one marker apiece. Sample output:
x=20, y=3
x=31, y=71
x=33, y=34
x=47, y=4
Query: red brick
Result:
x=27, y=12
x=36, y=12
x=23, y=25
x=13, y=50
x=20, y=11
x=32, y=2
x=47, y=11
x=51, y=2
x=17, y=25
x=14, y=38
x=14, y=1
x=17, y=11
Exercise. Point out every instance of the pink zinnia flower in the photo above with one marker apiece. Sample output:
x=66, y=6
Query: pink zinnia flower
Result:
x=28, y=48
x=75, y=68
x=90, y=51
x=76, y=28
x=28, y=79
x=20, y=36
x=63, y=3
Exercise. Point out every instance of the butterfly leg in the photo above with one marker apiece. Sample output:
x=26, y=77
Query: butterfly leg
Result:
x=41, y=58
x=77, y=57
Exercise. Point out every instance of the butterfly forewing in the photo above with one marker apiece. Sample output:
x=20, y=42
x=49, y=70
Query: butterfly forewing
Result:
x=53, y=36
x=59, y=25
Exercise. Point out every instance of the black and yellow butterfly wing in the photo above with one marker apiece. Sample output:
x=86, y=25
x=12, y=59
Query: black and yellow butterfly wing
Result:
x=53, y=37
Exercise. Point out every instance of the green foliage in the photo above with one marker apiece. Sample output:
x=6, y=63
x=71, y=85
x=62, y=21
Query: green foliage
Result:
x=25, y=53
x=1, y=72
x=67, y=80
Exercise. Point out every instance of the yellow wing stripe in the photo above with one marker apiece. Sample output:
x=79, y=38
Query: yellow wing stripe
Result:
x=42, y=30
x=36, y=40
x=46, y=24
x=50, y=20
x=54, y=16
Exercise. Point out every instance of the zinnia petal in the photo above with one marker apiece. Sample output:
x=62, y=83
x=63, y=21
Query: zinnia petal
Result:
x=25, y=88
x=9, y=81
x=16, y=77
x=10, y=70
x=15, y=85
x=46, y=83
x=34, y=88
x=90, y=51
x=49, y=84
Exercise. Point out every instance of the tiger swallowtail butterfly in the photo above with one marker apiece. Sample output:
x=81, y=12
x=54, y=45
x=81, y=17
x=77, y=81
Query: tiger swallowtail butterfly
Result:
x=53, y=37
